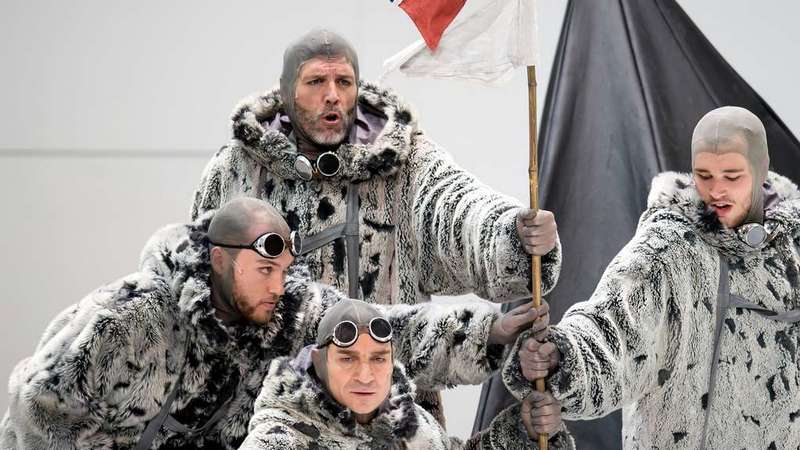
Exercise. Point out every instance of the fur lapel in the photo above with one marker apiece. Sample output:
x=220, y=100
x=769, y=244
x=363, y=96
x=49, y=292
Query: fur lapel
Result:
x=294, y=391
x=674, y=197
x=360, y=162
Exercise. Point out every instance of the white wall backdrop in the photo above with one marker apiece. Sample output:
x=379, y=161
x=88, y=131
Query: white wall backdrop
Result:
x=109, y=111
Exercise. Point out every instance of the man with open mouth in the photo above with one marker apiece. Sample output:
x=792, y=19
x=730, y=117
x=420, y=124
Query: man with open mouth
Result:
x=693, y=329
x=388, y=216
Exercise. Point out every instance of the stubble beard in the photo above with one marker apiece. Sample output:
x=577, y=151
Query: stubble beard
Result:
x=320, y=135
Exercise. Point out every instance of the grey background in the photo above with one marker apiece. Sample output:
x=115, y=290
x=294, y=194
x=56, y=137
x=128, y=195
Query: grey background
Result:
x=110, y=111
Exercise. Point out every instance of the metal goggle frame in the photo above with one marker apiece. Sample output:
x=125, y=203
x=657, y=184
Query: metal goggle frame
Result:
x=270, y=245
x=345, y=333
x=326, y=164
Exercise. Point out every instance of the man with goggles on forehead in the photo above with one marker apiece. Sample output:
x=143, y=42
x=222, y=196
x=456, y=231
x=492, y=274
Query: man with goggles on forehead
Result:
x=346, y=391
x=387, y=216
x=174, y=355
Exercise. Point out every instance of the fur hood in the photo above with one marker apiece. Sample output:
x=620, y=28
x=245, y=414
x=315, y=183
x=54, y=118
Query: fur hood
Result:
x=294, y=411
x=360, y=162
x=289, y=386
x=673, y=196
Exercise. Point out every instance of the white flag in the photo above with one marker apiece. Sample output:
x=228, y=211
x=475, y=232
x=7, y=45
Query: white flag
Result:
x=485, y=43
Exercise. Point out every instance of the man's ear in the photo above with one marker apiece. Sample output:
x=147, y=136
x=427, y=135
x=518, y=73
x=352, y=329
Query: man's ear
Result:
x=216, y=260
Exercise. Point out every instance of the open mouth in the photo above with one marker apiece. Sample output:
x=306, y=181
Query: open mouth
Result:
x=721, y=208
x=331, y=118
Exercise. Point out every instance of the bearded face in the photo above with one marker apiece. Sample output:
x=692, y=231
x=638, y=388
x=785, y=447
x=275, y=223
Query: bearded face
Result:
x=325, y=99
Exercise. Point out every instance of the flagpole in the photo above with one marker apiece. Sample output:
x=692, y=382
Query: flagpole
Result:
x=536, y=261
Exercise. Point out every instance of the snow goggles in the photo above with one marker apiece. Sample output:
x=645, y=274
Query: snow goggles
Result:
x=326, y=164
x=345, y=333
x=270, y=245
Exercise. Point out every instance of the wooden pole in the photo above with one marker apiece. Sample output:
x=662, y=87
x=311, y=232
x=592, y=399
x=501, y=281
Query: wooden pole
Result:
x=536, y=261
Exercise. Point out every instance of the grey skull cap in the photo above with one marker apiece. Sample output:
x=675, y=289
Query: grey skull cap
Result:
x=731, y=129
x=319, y=43
x=356, y=311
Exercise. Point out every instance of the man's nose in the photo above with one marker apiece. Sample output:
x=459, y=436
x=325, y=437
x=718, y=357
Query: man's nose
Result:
x=364, y=374
x=276, y=286
x=716, y=190
x=331, y=93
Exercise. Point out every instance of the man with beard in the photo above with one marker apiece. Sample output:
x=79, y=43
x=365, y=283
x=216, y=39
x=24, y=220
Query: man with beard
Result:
x=174, y=355
x=389, y=217
x=693, y=329
x=346, y=392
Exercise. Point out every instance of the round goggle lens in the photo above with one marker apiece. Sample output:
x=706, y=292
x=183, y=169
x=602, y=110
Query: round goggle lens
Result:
x=273, y=245
x=346, y=333
x=297, y=243
x=380, y=329
x=304, y=168
x=328, y=164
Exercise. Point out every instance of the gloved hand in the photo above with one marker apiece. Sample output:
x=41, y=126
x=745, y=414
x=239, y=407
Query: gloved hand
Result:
x=537, y=230
x=538, y=359
x=508, y=326
x=546, y=413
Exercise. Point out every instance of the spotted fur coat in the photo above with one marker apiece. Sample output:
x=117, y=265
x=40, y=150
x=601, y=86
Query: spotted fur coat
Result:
x=294, y=412
x=644, y=341
x=105, y=365
x=426, y=226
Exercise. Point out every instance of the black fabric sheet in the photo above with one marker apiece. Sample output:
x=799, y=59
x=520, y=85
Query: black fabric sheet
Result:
x=630, y=80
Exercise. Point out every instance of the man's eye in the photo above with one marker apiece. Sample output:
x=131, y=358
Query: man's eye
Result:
x=266, y=270
x=704, y=176
x=315, y=81
x=379, y=359
x=345, y=82
x=733, y=178
x=346, y=359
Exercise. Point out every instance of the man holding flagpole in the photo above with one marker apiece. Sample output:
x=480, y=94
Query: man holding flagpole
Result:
x=390, y=217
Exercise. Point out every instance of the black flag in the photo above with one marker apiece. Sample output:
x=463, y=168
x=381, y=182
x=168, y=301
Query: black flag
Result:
x=630, y=80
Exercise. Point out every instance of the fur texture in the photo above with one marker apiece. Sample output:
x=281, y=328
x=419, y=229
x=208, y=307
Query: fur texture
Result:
x=105, y=365
x=426, y=225
x=644, y=341
x=293, y=412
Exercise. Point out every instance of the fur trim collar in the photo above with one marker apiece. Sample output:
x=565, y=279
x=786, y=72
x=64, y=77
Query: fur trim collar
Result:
x=673, y=195
x=360, y=162
x=289, y=387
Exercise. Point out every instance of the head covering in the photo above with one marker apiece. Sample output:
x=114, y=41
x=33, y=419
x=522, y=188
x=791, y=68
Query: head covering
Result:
x=731, y=129
x=315, y=44
x=356, y=311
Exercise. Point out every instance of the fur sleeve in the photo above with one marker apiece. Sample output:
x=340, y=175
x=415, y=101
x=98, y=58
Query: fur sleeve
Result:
x=466, y=232
x=614, y=347
x=507, y=431
x=445, y=345
x=80, y=387
x=269, y=432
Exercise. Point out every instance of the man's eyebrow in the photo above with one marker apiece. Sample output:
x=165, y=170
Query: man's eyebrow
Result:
x=266, y=262
x=314, y=74
x=380, y=353
x=733, y=170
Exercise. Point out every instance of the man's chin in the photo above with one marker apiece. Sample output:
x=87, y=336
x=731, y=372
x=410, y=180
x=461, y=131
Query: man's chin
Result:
x=260, y=318
x=329, y=139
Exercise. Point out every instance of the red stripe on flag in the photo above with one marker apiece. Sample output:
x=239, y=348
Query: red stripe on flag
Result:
x=432, y=17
